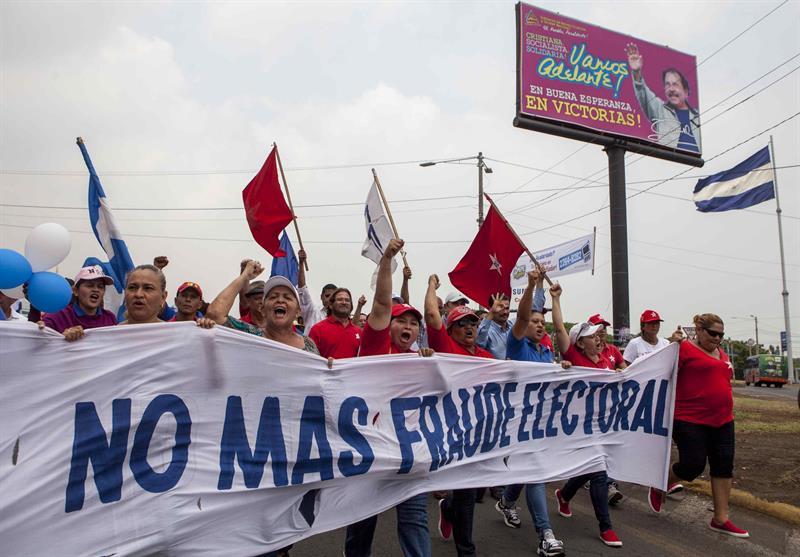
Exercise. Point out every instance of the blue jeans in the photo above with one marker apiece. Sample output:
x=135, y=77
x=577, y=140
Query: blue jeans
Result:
x=459, y=508
x=598, y=491
x=412, y=530
x=536, y=497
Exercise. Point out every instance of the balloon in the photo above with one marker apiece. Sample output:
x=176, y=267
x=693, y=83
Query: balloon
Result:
x=49, y=292
x=46, y=246
x=14, y=268
x=15, y=292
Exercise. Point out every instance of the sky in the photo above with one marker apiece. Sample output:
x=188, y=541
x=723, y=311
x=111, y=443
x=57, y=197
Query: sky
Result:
x=179, y=103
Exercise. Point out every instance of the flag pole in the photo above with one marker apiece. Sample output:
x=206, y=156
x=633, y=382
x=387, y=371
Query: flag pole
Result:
x=785, y=292
x=514, y=232
x=289, y=199
x=388, y=212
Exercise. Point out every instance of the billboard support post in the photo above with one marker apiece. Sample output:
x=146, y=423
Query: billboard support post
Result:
x=619, y=243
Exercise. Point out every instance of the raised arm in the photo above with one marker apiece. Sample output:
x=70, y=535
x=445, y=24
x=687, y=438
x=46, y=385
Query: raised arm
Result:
x=432, y=317
x=301, y=268
x=562, y=336
x=525, y=303
x=362, y=301
x=404, y=289
x=381, y=312
x=243, y=307
x=221, y=306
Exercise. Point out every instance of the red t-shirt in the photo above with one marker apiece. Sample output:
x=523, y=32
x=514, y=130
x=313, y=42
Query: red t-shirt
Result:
x=703, y=393
x=441, y=341
x=577, y=358
x=335, y=340
x=547, y=342
x=613, y=355
x=378, y=343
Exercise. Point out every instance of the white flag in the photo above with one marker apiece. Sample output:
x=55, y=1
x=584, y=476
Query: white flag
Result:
x=379, y=230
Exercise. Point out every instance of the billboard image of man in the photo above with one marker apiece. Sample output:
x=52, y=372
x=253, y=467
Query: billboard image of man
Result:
x=675, y=122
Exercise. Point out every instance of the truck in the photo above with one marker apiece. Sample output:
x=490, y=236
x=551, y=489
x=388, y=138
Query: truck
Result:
x=766, y=369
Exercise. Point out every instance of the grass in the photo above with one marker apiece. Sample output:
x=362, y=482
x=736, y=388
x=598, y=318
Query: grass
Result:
x=765, y=416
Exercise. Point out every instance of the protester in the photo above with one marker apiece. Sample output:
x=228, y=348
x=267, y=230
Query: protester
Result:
x=582, y=348
x=280, y=307
x=524, y=344
x=86, y=311
x=188, y=302
x=310, y=312
x=251, y=300
x=392, y=329
x=337, y=336
x=145, y=295
x=609, y=351
x=358, y=320
x=648, y=341
x=703, y=427
x=494, y=326
x=452, y=301
x=457, y=509
x=8, y=311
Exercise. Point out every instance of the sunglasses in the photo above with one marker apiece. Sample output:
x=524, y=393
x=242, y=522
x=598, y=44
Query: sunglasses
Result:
x=717, y=334
x=466, y=323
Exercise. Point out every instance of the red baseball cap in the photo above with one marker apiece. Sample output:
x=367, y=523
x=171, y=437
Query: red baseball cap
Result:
x=598, y=319
x=400, y=309
x=193, y=285
x=458, y=313
x=649, y=316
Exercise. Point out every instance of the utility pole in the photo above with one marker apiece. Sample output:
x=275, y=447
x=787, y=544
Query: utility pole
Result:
x=619, y=244
x=481, y=166
x=758, y=349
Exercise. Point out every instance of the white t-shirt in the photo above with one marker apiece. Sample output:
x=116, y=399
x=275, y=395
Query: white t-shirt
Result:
x=639, y=347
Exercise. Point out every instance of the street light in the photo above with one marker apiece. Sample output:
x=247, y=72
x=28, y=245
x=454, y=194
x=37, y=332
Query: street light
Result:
x=482, y=168
x=758, y=350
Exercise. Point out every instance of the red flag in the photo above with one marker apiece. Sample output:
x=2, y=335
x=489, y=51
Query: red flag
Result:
x=266, y=209
x=486, y=267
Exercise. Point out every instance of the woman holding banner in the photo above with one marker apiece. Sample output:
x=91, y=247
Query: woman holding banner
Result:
x=581, y=347
x=703, y=425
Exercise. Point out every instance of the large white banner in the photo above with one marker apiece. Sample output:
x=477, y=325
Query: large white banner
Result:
x=564, y=259
x=175, y=440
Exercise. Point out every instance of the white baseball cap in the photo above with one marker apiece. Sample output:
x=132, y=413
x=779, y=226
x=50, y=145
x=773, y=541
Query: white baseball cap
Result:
x=580, y=330
x=279, y=280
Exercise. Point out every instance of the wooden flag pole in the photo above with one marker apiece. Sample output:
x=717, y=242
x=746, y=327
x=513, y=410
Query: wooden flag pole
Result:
x=514, y=232
x=289, y=199
x=388, y=212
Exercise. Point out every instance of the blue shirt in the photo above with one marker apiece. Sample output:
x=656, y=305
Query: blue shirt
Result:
x=493, y=338
x=526, y=350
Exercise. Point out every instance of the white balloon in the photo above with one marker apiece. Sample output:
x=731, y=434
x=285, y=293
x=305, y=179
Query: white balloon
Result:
x=47, y=245
x=15, y=292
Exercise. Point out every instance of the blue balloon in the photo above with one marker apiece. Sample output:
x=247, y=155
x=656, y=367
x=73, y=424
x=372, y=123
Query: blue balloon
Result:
x=49, y=292
x=14, y=268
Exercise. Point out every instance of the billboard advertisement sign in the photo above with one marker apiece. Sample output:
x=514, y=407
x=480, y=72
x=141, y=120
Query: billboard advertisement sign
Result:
x=581, y=76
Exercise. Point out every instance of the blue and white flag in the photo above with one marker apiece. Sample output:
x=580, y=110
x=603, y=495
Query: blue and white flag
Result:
x=105, y=227
x=285, y=266
x=748, y=183
x=379, y=230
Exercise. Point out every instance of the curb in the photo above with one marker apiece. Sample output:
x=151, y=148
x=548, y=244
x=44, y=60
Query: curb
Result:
x=745, y=499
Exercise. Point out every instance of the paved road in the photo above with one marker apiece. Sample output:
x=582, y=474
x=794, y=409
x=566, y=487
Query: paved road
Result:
x=680, y=531
x=787, y=392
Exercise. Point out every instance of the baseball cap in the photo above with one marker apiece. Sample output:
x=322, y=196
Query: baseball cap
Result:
x=598, y=319
x=256, y=287
x=458, y=313
x=397, y=297
x=400, y=309
x=649, y=316
x=455, y=297
x=93, y=272
x=580, y=330
x=279, y=280
x=193, y=285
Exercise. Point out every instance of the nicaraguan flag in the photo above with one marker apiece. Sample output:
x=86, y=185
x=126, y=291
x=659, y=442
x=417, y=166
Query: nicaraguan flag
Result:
x=748, y=183
x=105, y=227
x=379, y=230
x=285, y=266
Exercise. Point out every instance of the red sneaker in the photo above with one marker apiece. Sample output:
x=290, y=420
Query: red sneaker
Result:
x=610, y=538
x=563, y=506
x=728, y=528
x=445, y=526
x=655, y=498
x=675, y=487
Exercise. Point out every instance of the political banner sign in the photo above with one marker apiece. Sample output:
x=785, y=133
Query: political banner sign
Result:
x=174, y=440
x=582, y=76
x=564, y=259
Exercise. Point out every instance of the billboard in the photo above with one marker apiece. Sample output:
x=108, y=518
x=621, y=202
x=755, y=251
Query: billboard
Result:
x=606, y=86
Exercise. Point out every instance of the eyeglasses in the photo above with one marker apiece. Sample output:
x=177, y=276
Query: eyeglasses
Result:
x=466, y=323
x=717, y=334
